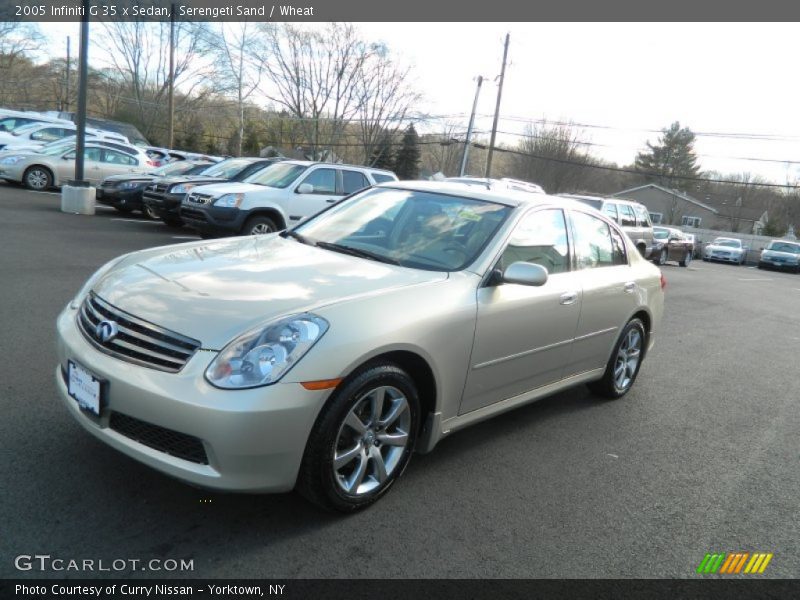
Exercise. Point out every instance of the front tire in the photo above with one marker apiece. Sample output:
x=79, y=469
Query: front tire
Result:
x=38, y=179
x=686, y=259
x=362, y=440
x=624, y=364
x=259, y=226
x=150, y=212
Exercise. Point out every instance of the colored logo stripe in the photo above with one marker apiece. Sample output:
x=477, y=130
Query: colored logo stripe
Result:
x=732, y=563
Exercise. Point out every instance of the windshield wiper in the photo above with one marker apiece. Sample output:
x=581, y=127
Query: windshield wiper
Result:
x=358, y=252
x=299, y=237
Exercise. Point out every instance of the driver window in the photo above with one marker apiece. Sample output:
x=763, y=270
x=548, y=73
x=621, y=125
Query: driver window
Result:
x=540, y=238
x=323, y=180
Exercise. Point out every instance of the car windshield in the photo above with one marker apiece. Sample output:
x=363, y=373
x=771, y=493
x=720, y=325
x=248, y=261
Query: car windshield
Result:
x=420, y=230
x=178, y=168
x=57, y=149
x=727, y=243
x=26, y=128
x=227, y=168
x=784, y=247
x=279, y=175
x=660, y=234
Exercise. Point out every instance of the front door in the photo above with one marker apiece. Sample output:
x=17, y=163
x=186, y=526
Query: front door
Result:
x=524, y=334
x=322, y=182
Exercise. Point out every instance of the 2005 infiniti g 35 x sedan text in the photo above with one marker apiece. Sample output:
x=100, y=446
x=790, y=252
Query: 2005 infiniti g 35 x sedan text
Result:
x=321, y=357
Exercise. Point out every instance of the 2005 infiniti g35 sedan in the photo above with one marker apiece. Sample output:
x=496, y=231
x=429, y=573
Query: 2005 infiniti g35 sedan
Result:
x=321, y=357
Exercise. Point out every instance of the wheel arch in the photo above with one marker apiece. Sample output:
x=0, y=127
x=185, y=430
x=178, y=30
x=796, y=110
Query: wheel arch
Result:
x=273, y=212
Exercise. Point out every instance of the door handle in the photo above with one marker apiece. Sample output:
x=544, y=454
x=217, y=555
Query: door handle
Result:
x=568, y=298
x=630, y=287
x=330, y=200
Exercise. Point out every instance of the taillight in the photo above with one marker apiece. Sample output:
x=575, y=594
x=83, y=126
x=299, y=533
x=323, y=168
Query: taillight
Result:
x=152, y=163
x=663, y=281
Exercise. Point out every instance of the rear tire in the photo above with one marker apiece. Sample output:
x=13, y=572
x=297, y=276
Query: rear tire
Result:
x=662, y=258
x=37, y=178
x=624, y=364
x=362, y=440
x=686, y=259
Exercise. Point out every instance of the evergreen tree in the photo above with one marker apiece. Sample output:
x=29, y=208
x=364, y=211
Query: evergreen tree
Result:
x=382, y=155
x=671, y=160
x=406, y=163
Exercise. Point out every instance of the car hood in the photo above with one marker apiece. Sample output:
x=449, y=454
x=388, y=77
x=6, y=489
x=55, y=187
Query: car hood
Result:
x=170, y=180
x=231, y=187
x=143, y=177
x=725, y=248
x=215, y=291
x=779, y=254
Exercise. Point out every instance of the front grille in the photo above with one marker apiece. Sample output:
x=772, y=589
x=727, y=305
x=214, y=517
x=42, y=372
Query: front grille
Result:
x=174, y=443
x=199, y=199
x=193, y=215
x=157, y=188
x=136, y=341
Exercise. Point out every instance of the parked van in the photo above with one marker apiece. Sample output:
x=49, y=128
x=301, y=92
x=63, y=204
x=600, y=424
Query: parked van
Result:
x=631, y=216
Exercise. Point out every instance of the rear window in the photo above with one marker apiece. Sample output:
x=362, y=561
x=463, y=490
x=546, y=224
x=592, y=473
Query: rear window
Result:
x=598, y=204
x=382, y=177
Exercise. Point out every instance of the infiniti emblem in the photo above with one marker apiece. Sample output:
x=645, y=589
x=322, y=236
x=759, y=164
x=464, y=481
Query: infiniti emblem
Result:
x=105, y=331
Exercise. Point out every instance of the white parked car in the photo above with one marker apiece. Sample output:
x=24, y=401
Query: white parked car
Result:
x=38, y=134
x=274, y=198
x=725, y=249
x=52, y=168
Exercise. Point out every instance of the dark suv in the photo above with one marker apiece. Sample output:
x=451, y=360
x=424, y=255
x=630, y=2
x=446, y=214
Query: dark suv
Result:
x=162, y=198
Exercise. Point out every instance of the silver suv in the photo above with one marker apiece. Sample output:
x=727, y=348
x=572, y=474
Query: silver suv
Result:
x=631, y=216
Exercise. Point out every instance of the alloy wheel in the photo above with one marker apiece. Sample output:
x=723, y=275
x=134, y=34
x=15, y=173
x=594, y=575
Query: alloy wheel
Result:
x=37, y=179
x=628, y=356
x=261, y=228
x=371, y=440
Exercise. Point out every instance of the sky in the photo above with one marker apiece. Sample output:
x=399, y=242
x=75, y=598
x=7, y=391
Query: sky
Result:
x=622, y=82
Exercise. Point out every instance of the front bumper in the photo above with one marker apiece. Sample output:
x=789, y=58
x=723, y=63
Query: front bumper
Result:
x=252, y=440
x=120, y=198
x=767, y=263
x=11, y=172
x=213, y=220
x=722, y=258
x=164, y=205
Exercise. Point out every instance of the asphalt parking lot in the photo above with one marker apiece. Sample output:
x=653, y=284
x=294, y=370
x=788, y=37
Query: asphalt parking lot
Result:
x=701, y=456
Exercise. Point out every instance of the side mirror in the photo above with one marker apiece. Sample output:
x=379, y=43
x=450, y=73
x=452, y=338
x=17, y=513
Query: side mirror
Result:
x=525, y=273
x=305, y=188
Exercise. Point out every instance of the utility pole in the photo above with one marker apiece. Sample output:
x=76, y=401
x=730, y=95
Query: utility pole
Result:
x=66, y=102
x=497, y=109
x=469, y=127
x=83, y=71
x=171, y=132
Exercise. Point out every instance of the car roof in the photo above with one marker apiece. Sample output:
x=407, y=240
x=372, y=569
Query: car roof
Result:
x=308, y=163
x=504, y=196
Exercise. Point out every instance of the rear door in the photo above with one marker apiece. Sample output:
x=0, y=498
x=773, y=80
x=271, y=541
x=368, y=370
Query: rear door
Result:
x=118, y=163
x=609, y=291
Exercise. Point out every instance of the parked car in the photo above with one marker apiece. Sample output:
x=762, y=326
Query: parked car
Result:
x=41, y=171
x=631, y=216
x=34, y=135
x=780, y=254
x=690, y=237
x=670, y=243
x=725, y=249
x=322, y=357
x=274, y=198
x=503, y=183
x=124, y=192
x=163, y=197
x=14, y=119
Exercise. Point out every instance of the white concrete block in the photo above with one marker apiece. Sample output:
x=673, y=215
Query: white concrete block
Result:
x=78, y=200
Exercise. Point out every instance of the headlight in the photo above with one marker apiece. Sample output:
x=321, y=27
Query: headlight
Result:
x=131, y=185
x=87, y=287
x=11, y=160
x=181, y=188
x=263, y=356
x=229, y=200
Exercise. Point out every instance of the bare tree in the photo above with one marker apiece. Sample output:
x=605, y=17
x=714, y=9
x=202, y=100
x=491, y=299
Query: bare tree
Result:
x=313, y=75
x=239, y=54
x=19, y=43
x=385, y=96
x=553, y=156
x=139, y=52
x=442, y=152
